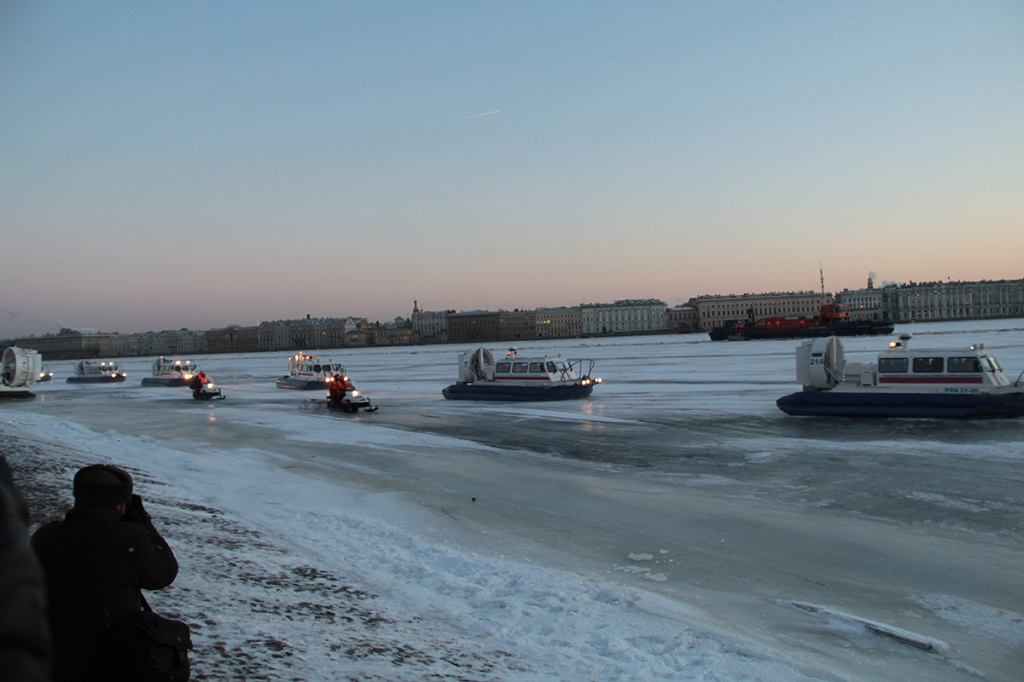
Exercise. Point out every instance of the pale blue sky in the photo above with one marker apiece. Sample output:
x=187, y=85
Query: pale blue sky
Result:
x=197, y=164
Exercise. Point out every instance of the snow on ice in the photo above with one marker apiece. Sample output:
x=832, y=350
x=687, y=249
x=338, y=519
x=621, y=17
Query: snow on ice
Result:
x=432, y=540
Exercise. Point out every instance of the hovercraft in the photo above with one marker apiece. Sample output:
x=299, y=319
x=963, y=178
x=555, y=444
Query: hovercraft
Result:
x=902, y=382
x=307, y=373
x=97, y=372
x=20, y=369
x=167, y=372
x=520, y=378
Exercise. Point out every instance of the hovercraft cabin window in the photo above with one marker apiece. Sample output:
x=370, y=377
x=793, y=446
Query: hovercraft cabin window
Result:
x=892, y=365
x=536, y=368
x=520, y=367
x=503, y=368
x=963, y=365
x=928, y=365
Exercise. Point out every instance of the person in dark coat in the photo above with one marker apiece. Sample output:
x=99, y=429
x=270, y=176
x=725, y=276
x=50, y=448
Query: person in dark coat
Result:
x=24, y=637
x=97, y=561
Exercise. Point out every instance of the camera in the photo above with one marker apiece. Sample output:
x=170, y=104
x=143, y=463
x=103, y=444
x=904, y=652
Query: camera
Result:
x=134, y=511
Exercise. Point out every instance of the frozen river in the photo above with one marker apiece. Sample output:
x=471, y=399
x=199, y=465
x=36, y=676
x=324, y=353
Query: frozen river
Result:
x=679, y=475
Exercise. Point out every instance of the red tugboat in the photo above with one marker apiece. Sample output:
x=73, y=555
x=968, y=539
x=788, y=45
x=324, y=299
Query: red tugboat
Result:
x=832, y=320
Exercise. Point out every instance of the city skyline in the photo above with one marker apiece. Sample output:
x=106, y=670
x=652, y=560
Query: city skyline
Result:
x=971, y=299
x=193, y=165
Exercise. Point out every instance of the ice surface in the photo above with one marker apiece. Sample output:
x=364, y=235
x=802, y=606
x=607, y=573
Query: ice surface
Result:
x=655, y=531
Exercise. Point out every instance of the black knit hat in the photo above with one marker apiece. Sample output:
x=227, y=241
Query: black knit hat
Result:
x=102, y=485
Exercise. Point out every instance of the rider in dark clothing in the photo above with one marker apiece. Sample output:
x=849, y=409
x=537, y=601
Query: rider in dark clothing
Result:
x=95, y=562
x=24, y=638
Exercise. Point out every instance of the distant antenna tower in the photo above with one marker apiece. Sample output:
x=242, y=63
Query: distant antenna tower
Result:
x=821, y=274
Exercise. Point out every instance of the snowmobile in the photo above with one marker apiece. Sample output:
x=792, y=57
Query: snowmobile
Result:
x=204, y=389
x=207, y=391
x=351, y=401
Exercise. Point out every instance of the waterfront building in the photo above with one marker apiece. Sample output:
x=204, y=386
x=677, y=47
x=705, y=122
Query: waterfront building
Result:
x=69, y=344
x=392, y=335
x=935, y=301
x=717, y=311
x=683, y=318
x=233, y=339
x=487, y=325
x=315, y=333
x=309, y=334
x=275, y=336
x=628, y=316
x=173, y=342
x=474, y=325
x=864, y=304
x=117, y=345
x=901, y=303
x=518, y=324
x=558, y=323
x=429, y=326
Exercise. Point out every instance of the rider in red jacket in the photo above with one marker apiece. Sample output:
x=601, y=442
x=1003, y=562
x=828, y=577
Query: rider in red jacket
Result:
x=336, y=389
